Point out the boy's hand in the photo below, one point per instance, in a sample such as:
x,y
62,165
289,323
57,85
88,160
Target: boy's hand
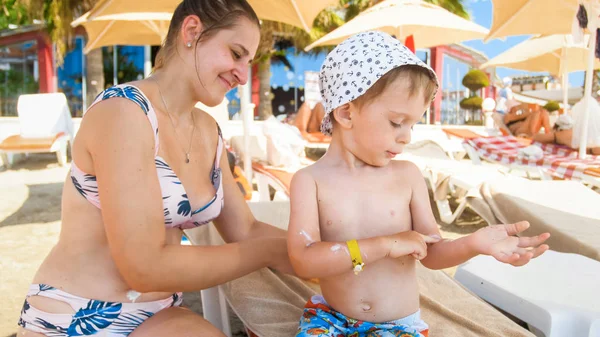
x,y
500,242
410,243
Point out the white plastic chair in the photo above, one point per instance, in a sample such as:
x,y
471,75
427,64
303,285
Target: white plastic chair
x,y
46,126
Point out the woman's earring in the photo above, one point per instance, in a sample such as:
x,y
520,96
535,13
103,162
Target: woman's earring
x,y
189,45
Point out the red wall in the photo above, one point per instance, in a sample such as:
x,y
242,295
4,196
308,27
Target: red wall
x,y
44,46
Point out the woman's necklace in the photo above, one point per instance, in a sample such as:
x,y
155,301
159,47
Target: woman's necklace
x,y
187,153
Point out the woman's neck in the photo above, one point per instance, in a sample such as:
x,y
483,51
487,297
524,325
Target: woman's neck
x,y
175,91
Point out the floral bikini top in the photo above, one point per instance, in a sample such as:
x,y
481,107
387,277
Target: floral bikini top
x,y
177,209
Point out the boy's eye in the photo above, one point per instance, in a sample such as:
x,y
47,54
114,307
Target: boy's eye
x,y
396,125
236,55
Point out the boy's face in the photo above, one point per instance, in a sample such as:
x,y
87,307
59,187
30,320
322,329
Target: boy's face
x,y
383,126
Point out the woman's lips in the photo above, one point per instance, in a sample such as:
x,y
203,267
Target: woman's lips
x,y
228,85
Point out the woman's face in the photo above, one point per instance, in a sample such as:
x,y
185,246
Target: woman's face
x,y
222,61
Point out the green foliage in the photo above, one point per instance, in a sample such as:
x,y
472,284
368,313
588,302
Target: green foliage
x,y
12,12
475,79
58,15
127,71
552,106
453,6
471,103
15,83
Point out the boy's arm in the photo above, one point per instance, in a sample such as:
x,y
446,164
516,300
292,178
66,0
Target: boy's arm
x,y
445,253
499,240
310,257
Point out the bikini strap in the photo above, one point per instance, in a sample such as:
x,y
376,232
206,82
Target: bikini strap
x,y
135,95
219,147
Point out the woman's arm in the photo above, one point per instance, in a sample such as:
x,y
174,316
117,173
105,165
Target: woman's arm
x,y
236,222
121,145
512,115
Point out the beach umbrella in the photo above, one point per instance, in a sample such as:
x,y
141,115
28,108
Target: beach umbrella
x,y
557,54
430,25
138,29
531,17
523,17
299,13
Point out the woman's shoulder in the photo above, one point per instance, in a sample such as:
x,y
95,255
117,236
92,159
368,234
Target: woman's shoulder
x,y
121,107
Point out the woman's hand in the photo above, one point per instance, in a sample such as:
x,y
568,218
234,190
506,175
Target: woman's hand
x,y
500,242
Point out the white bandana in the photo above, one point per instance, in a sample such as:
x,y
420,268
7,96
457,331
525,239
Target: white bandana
x,y
356,64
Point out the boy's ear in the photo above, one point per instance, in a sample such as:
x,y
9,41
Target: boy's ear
x,y
343,115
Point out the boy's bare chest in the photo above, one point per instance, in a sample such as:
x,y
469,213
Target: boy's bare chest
x,y
354,210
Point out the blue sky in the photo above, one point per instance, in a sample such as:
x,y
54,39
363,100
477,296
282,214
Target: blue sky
x,y
481,13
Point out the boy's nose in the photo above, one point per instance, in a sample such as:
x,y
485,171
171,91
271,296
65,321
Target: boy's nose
x,y
404,138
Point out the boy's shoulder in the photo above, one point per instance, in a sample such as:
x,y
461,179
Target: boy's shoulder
x,y
405,167
304,175
313,170
310,174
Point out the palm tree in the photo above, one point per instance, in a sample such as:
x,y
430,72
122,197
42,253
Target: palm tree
x,y
58,15
276,34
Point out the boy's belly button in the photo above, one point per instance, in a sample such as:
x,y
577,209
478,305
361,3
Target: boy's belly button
x,y
365,306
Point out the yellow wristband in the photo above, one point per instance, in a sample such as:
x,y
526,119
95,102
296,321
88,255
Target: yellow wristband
x,y
357,262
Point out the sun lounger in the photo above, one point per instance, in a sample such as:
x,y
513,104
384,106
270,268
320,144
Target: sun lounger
x,y
557,161
451,146
556,294
462,133
278,178
566,209
458,179
270,304
499,121
467,136
46,126
461,182
257,146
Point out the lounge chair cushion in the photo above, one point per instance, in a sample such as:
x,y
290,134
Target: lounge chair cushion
x,y
566,209
20,143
